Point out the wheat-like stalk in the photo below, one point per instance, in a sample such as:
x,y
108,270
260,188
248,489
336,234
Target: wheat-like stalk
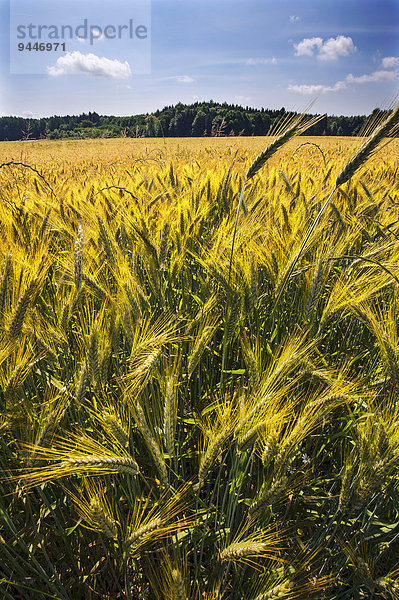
x,y
232,319
389,585
18,317
388,127
116,428
110,464
199,347
253,286
212,452
170,415
152,445
78,262
141,535
346,486
96,288
282,590
299,125
268,497
270,449
92,359
251,361
392,359
179,588
6,274
249,439
81,386
106,241
134,304
105,524
163,244
44,433
149,364
248,547
314,291
241,550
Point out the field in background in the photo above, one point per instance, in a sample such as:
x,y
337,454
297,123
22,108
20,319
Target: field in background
x,y
181,419
127,148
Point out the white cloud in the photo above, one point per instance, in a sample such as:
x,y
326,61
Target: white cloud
x,y
328,50
335,47
261,61
376,76
90,64
294,19
307,46
314,90
244,99
179,78
390,61
184,79
27,114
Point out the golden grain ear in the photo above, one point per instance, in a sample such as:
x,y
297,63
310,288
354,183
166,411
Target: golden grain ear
x,y
387,128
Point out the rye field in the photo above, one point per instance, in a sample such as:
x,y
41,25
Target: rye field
x,y
199,369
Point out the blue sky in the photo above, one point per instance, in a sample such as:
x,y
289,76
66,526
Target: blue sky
x,y
260,53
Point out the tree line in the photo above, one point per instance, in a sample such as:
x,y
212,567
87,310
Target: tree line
x,y
181,120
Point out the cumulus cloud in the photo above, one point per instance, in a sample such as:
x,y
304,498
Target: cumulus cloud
x,y
90,64
328,50
307,46
376,76
390,61
335,47
261,61
294,19
316,89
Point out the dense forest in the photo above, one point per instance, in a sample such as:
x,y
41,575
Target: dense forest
x,y
198,119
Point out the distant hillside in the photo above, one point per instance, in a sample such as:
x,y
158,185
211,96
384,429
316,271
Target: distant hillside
x,y
198,119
